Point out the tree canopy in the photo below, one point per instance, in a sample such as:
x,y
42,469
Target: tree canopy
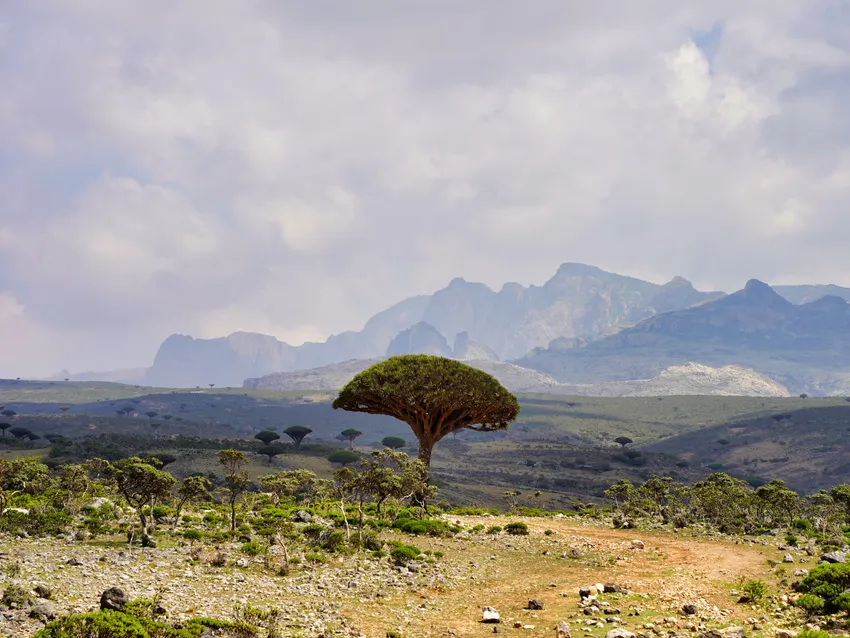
x,y
393,442
267,436
433,395
297,433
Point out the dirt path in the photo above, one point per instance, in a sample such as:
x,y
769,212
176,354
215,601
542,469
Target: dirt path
x,y
505,572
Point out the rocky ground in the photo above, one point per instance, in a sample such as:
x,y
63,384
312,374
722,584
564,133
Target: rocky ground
x,y
652,584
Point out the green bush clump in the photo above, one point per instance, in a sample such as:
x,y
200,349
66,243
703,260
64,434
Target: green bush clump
x,y
115,624
429,527
826,583
755,590
548,532
161,511
517,529
333,541
252,548
312,531
404,554
494,529
15,594
477,528
314,557
791,539
811,604
193,535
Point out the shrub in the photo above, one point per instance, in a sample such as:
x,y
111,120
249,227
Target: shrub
x,y
811,604
161,511
548,532
15,594
478,528
517,529
424,527
115,624
333,540
791,540
252,548
826,583
755,590
314,557
193,535
404,554
494,529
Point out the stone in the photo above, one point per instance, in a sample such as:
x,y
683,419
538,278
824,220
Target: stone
x,y
611,588
637,544
73,562
43,591
43,610
732,632
787,558
574,553
113,598
834,557
619,632
563,630
490,615
587,592
689,610
302,517
785,633
534,604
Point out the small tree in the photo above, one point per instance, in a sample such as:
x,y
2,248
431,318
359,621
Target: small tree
x,y
267,436
623,440
297,433
394,442
350,434
140,484
9,413
52,438
165,459
343,457
63,409
193,489
4,427
20,433
272,450
234,462
285,484
151,414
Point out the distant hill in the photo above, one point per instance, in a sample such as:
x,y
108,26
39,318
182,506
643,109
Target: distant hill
x,y
578,301
805,347
691,379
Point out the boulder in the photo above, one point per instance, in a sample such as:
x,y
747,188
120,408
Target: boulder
x,y
619,632
612,588
534,604
490,615
113,598
637,544
689,610
43,610
587,592
43,591
834,557
563,630
785,633
73,562
787,558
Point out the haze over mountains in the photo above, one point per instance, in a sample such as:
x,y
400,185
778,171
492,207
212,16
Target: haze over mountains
x,y
584,326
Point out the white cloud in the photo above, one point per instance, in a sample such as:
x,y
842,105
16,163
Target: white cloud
x,y
296,167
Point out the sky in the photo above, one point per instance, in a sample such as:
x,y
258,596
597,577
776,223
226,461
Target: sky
x,y
293,167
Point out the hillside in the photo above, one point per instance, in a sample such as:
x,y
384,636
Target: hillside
x,y
689,379
805,347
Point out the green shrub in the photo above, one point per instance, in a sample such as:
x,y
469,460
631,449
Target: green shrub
x,y
755,590
801,524
314,557
517,529
810,633
826,583
548,532
811,604
333,541
193,535
791,540
477,528
252,548
161,511
114,624
494,529
404,554
430,527
312,531
15,594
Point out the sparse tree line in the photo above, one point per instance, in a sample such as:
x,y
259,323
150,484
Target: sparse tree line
x,y
731,505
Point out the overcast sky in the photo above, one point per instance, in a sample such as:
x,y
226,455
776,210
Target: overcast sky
x,y
206,166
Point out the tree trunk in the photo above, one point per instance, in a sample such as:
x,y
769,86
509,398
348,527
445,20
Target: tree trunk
x,y
232,514
425,448
143,521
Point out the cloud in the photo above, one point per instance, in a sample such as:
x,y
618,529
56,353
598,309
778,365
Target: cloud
x,y
203,167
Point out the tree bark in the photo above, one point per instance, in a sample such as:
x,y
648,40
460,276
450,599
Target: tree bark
x,y
426,446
